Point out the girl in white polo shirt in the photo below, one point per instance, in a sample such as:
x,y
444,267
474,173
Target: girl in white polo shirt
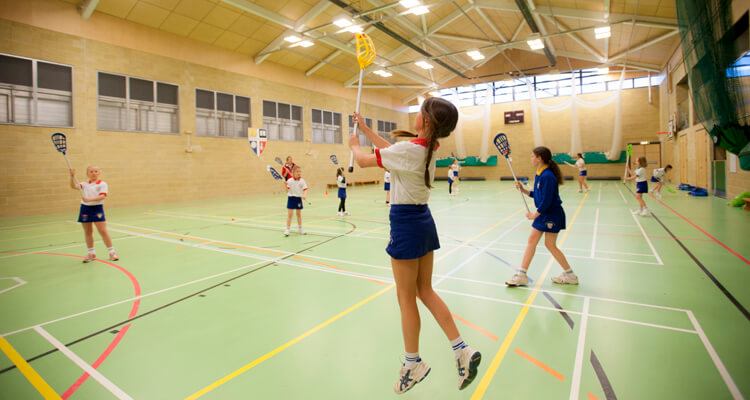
x,y
296,193
93,193
414,236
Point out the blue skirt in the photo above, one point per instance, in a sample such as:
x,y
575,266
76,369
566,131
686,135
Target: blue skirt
x,y
641,187
342,193
294,203
583,173
387,186
551,221
91,214
413,232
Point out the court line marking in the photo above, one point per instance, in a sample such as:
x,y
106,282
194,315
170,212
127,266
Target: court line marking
x,y
546,368
41,250
622,195
476,327
650,245
28,371
38,236
19,282
736,394
596,227
489,374
599,196
91,371
575,387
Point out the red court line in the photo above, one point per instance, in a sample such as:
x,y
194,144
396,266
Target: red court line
x,y
116,341
541,365
477,328
592,396
719,242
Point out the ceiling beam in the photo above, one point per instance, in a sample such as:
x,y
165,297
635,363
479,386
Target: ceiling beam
x,y
535,23
492,26
299,25
578,39
87,8
643,45
333,55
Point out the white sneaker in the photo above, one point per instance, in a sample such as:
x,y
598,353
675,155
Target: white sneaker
x,y
644,212
89,258
340,214
566,279
467,364
286,232
346,212
635,212
410,376
518,280
301,232
658,195
580,191
113,256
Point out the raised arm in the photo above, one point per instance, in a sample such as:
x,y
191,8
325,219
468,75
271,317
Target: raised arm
x,y
364,160
376,140
73,184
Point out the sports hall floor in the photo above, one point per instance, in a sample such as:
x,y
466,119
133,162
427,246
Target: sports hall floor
x,y
210,300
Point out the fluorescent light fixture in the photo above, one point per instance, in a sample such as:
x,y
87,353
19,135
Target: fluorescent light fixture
x,y
423,64
602,71
602,32
305,43
383,73
354,29
475,55
419,10
435,94
535,44
292,38
409,3
644,142
343,22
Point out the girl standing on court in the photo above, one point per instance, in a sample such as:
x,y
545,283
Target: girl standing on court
x,y
287,168
341,181
93,193
453,178
582,174
549,218
641,185
387,187
414,235
296,192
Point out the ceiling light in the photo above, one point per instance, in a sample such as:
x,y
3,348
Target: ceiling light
x,y
603,71
475,55
409,3
602,32
292,38
535,44
305,43
419,10
644,142
354,29
343,22
383,73
435,94
423,65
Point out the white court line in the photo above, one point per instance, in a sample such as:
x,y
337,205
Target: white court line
x,y
736,394
575,387
623,196
19,282
45,250
653,250
658,326
599,196
93,372
267,226
596,228
38,236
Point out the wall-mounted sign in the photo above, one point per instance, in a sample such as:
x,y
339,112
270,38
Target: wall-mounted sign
x,y
514,117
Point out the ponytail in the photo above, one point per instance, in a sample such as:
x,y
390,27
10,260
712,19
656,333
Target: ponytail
x,y
439,119
430,149
552,165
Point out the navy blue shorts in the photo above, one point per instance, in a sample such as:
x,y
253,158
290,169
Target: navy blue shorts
x,y
91,214
450,180
583,173
387,186
342,193
552,221
655,179
413,232
641,187
294,203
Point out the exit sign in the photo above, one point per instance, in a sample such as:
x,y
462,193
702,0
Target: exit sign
x,y
514,117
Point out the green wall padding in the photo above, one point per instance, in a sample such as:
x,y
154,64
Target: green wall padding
x,y
470,161
593,157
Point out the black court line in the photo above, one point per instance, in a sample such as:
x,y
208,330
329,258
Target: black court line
x,y
703,268
557,305
609,393
199,293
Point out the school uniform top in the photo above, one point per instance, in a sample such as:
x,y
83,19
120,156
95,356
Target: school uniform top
x,y
581,165
296,187
406,161
659,173
94,189
387,177
286,170
341,181
450,174
547,201
640,174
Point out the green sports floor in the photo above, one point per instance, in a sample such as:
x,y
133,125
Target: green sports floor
x,y
210,300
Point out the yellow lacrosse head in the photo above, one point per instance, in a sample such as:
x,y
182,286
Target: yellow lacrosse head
x,y
365,50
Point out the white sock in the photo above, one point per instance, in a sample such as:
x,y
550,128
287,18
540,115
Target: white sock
x,y
569,271
92,250
411,359
522,271
111,249
458,344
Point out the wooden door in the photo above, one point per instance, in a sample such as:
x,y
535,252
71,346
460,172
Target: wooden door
x,y
700,159
682,140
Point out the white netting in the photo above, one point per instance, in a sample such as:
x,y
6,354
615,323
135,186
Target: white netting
x,y
483,115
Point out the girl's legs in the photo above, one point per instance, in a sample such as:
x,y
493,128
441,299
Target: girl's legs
x,y
520,278
387,197
289,218
343,205
102,228
299,220
405,274
88,234
432,300
580,184
584,181
567,277
450,187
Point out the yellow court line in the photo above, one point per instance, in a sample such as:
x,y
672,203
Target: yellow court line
x,y
325,323
484,383
30,373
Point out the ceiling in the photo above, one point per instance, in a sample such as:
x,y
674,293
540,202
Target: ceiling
x,y
498,28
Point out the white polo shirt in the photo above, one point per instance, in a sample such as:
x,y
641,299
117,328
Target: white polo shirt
x,y
94,189
296,187
640,175
406,161
341,182
581,164
659,173
387,177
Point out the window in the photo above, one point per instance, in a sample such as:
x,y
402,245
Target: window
x,y
221,114
137,105
282,121
363,140
35,92
326,126
385,128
